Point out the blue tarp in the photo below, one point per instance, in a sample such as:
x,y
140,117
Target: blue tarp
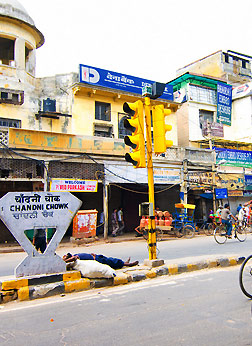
x,y
207,195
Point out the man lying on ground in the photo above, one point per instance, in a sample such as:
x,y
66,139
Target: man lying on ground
x,y
115,263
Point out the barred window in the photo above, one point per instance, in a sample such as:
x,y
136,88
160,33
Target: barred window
x,y
203,95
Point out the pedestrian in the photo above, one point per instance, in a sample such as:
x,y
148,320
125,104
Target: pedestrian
x,y
218,214
39,239
114,222
120,220
225,217
239,208
100,227
115,263
210,216
242,216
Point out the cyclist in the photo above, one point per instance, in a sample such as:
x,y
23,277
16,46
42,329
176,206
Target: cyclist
x,y
225,217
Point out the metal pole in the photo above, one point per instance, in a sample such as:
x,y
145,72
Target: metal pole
x,y
46,177
184,182
213,164
105,209
152,226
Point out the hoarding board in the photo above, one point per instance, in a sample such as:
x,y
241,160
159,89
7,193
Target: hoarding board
x,y
224,103
114,80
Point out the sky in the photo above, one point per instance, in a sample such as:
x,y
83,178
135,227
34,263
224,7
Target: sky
x,y
142,38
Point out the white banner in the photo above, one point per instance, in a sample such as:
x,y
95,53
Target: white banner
x,y
74,185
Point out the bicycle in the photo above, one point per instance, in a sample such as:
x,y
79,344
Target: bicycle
x,y
245,277
220,233
207,228
182,230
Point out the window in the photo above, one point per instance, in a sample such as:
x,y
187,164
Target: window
x,y
103,130
244,63
226,57
6,51
102,111
10,123
204,117
204,95
122,131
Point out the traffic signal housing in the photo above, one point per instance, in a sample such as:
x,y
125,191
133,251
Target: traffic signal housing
x,y
135,124
160,128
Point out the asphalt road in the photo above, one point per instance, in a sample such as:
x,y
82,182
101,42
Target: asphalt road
x,y
171,250
192,309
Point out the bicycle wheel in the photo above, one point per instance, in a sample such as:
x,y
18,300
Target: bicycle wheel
x,y
220,235
240,233
209,229
188,231
245,277
202,228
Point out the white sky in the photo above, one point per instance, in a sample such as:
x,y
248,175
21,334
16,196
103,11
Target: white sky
x,y
143,38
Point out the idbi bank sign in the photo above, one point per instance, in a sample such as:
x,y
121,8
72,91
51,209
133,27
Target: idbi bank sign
x,y
119,81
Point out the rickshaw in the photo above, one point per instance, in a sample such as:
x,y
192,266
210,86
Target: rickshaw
x,y
183,222
180,225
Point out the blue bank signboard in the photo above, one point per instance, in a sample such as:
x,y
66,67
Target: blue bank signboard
x,y
119,81
224,103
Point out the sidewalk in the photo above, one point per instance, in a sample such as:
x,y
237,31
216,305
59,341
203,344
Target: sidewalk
x,y
41,286
66,242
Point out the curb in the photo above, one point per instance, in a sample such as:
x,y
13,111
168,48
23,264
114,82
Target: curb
x,y
54,284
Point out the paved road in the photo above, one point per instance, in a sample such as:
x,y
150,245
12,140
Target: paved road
x,y
171,250
193,309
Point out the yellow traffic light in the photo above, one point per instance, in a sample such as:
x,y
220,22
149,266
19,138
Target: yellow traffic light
x,y
136,140
160,129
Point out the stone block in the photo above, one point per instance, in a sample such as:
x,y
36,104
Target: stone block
x,y
153,263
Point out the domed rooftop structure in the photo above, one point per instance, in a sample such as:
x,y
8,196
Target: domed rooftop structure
x,y
13,10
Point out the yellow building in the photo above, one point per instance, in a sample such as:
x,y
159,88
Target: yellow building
x,y
65,127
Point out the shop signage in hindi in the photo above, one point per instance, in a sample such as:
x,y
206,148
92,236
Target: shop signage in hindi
x,y
202,179
73,185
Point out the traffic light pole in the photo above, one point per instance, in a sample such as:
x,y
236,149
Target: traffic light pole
x,y
152,226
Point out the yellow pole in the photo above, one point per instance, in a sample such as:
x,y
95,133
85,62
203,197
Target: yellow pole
x,y
152,226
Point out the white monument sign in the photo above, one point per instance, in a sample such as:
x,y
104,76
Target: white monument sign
x,y
24,212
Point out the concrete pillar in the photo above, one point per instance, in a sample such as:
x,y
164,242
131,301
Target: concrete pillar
x,y
19,53
31,62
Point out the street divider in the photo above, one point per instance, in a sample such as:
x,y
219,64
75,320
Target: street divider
x,y
54,284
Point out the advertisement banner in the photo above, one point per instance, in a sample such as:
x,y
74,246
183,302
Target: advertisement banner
x,y
232,157
202,179
215,129
166,176
235,193
224,103
248,182
230,181
120,81
73,185
242,90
